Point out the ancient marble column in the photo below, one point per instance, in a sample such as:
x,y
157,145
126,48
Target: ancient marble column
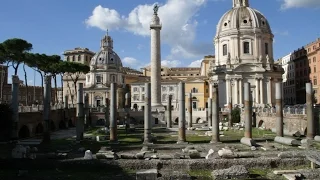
x,y
310,114
257,97
147,114
127,101
215,115
279,110
236,92
247,111
155,27
240,91
107,113
209,112
46,108
120,98
66,111
261,91
169,112
182,114
80,113
190,110
247,139
113,113
269,91
15,106
86,110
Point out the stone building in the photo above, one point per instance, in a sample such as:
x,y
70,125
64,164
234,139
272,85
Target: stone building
x,y
105,68
195,78
313,54
244,53
301,74
288,79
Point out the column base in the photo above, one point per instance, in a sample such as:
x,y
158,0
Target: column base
x,y
182,142
248,141
215,142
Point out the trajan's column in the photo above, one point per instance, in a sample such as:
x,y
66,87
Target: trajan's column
x,y
155,28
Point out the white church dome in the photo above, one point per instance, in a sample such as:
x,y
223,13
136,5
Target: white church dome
x,y
241,16
106,58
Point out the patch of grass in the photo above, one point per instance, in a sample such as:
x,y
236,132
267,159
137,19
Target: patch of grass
x,y
203,174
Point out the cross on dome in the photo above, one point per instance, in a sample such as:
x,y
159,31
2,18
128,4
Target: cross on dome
x,y
240,3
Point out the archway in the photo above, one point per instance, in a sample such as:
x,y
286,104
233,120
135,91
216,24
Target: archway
x,y
24,132
70,123
62,125
135,106
199,121
52,126
39,129
261,124
176,121
101,122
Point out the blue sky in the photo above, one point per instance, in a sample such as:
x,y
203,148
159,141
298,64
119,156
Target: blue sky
x,y
53,26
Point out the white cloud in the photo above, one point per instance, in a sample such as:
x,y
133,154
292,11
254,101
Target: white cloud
x,y
196,63
131,62
178,24
170,63
287,4
283,33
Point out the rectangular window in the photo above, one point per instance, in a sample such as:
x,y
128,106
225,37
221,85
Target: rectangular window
x,y
314,81
246,47
225,49
266,48
98,79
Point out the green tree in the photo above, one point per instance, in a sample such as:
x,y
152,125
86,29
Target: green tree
x,y
75,71
15,51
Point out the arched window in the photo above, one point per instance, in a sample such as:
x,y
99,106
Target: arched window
x,y
225,50
246,47
266,48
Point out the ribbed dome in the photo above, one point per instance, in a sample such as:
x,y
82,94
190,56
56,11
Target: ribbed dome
x,y
242,18
106,58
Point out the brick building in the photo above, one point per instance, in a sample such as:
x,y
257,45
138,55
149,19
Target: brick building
x,y
313,54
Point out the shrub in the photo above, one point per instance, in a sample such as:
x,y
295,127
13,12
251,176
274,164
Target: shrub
x,y
235,115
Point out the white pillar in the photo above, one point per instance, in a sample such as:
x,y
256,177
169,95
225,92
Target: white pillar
x,y
210,90
236,93
228,89
240,92
155,28
261,92
257,99
269,88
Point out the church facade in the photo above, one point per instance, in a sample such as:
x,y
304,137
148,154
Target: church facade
x,y
244,53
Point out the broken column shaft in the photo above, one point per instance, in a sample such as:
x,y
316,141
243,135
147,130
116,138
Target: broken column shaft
x,y
279,110
210,112
190,111
113,113
169,112
80,120
215,115
147,114
182,114
310,114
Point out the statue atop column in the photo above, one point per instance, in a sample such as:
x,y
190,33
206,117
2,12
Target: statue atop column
x,y
155,9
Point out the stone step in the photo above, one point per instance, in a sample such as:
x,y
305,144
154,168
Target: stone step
x,y
292,176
